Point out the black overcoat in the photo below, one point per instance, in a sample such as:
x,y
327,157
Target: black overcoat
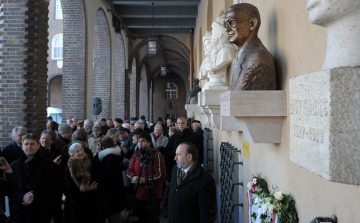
x,y
40,175
111,174
200,133
193,200
12,152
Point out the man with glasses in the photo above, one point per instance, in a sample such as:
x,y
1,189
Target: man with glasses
x,y
254,67
13,151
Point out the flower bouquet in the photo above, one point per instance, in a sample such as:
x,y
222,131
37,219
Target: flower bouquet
x,y
265,207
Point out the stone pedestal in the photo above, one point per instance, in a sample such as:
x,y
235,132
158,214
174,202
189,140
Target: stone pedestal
x,y
260,114
325,123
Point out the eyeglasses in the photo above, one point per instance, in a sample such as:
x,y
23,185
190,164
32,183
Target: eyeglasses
x,y
232,22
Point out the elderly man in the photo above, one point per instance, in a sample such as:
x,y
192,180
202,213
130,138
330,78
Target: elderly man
x,y
94,141
183,135
254,67
88,124
13,151
39,177
80,125
196,126
191,194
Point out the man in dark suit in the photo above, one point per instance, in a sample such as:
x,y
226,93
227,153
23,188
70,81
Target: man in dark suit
x,y
196,127
13,151
191,194
39,177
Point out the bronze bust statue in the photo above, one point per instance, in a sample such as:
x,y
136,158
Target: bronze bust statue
x,y
254,67
196,89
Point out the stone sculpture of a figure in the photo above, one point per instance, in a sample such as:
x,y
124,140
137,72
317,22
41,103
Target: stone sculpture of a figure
x,y
342,22
206,62
221,53
196,89
254,67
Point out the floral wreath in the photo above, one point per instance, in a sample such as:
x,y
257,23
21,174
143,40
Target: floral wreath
x,y
265,207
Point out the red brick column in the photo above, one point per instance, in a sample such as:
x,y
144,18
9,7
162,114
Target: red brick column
x,y
23,66
143,94
120,78
133,90
102,88
74,39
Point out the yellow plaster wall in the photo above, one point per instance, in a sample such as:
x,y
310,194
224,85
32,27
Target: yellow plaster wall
x,y
298,48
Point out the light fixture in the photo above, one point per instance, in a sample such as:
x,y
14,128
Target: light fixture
x,y
152,41
163,71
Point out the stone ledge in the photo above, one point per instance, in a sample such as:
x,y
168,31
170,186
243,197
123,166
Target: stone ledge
x,y
259,114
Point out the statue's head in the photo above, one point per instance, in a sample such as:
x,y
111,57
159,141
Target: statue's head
x,y
218,31
195,81
206,41
242,22
325,12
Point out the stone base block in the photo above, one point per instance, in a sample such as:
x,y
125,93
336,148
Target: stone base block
x,y
325,123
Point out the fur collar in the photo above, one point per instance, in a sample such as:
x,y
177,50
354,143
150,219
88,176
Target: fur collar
x,y
80,172
115,150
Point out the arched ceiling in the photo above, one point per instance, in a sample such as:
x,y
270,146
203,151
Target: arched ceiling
x,y
170,16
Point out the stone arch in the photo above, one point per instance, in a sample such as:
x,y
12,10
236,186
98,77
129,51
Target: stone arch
x,y
55,91
143,93
102,65
74,57
133,90
120,77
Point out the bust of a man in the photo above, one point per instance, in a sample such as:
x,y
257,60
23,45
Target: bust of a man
x,y
206,62
341,19
254,67
193,93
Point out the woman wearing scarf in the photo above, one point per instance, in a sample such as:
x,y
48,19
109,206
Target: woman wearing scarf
x,y
111,172
81,187
157,137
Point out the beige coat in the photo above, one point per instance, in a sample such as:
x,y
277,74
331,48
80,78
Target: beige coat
x,y
93,143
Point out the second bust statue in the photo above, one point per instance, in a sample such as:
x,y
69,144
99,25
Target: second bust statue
x,y
254,67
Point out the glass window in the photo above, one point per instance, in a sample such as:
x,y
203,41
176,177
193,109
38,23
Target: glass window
x,y
57,45
58,10
171,91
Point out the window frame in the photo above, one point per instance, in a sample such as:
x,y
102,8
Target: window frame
x,y
171,91
53,47
58,10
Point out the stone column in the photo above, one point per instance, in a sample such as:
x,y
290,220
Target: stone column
x,y
23,66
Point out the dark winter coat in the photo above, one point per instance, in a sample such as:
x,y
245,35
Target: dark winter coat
x,y
12,152
82,206
193,200
200,133
61,142
129,140
111,174
40,175
159,173
9,184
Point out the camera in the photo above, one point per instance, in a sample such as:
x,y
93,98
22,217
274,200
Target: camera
x,y
2,162
144,150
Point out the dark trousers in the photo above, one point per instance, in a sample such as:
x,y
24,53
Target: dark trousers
x,y
144,214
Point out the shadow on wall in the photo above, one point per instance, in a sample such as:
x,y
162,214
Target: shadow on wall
x,y
279,56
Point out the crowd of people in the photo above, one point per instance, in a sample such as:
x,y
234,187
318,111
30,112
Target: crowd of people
x,y
81,171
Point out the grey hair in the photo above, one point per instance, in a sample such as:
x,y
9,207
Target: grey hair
x,y
141,123
89,122
72,148
16,129
50,133
180,118
198,124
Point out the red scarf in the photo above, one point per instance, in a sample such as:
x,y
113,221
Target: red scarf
x,y
156,137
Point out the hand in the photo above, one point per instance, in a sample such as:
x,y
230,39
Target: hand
x,y
93,186
98,148
28,198
57,160
134,179
124,149
6,166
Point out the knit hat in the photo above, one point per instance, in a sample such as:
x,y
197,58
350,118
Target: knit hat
x,y
64,128
72,148
96,127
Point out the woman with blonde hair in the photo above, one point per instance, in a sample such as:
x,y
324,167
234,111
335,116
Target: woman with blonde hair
x,y
157,137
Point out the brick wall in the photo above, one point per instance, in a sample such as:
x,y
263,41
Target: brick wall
x,y
55,27
133,91
102,71
55,86
23,66
160,104
120,77
73,59
143,94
